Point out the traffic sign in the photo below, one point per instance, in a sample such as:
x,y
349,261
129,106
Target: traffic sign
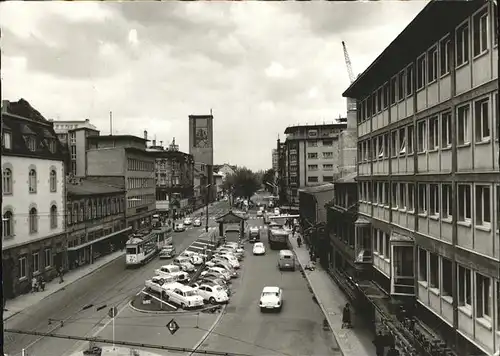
x,y
112,312
172,326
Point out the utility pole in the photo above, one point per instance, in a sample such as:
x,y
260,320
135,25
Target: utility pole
x,y
206,207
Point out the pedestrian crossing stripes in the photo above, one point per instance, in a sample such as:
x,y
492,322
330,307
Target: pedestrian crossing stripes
x,y
249,218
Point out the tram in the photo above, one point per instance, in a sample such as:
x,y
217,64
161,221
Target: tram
x,y
141,248
164,235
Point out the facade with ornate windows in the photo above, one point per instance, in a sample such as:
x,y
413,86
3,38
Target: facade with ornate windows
x,y
33,193
428,173
95,223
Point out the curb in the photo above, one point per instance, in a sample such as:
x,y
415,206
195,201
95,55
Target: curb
x,y
65,286
159,312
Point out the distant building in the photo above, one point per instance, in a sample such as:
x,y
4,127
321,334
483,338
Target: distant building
x,y
428,172
311,156
33,208
219,180
275,159
122,161
225,169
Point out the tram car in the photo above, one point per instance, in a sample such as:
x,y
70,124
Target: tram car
x,y
141,248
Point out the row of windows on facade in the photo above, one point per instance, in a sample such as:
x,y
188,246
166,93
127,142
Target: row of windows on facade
x,y
324,143
8,181
33,217
141,200
433,133
435,273
32,142
140,165
81,239
37,265
313,167
313,179
94,209
434,200
435,60
139,183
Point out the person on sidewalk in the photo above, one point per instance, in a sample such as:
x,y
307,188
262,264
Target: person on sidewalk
x,y
60,274
34,285
346,317
299,241
41,283
379,343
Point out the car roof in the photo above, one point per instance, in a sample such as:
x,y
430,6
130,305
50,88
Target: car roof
x,y
271,290
286,252
169,265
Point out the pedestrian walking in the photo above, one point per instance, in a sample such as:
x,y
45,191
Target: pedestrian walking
x,y
41,283
34,285
346,317
60,274
299,241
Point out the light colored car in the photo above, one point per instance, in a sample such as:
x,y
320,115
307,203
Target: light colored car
x,y
271,299
188,221
167,270
259,249
197,223
234,246
194,258
233,261
167,252
212,293
156,283
260,213
182,295
184,263
179,228
221,273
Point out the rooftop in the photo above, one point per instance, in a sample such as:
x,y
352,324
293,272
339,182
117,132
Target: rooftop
x,y
118,137
318,188
87,188
350,178
331,125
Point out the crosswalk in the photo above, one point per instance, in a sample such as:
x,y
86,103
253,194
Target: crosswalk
x,y
249,218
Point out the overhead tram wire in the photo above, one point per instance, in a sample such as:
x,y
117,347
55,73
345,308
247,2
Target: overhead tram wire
x,y
125,343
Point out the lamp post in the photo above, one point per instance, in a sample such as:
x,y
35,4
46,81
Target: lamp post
x,y
206,207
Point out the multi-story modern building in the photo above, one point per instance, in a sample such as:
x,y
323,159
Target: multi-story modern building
x,y
122,161
174,172
275,159
62,128
311,153
95,221
33,209
428,173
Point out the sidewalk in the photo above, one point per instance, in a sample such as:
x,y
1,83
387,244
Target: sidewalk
x,y
352,342
24,301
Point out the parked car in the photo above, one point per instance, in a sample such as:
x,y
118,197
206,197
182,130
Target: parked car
x,y
185,296
194,258
233,261
184,263
212,293
260,213
212,274
271,299
259,249
167,252
188,221
217,281
226,266
224,273
179,228
156,283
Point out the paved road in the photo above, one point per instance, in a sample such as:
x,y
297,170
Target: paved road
x,y
112,285
297,330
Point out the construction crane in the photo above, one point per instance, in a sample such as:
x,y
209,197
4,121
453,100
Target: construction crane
x,y
348,64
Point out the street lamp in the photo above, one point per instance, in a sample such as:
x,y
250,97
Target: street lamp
x,y
206,211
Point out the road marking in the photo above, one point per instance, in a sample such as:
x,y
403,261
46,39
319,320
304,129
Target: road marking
x,y
209,331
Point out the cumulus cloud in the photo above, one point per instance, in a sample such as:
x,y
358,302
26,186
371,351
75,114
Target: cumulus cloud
x,y
261,66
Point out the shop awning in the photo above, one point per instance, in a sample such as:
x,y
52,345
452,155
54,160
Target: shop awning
x,y
75,248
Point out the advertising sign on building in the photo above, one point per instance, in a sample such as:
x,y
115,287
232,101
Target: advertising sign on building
x,y
201,138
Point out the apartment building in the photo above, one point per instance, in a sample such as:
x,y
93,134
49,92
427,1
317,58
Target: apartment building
x,y
312,153
122,161
33,191
275,159
428,174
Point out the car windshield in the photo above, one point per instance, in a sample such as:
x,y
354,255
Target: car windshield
x,y
218,289
270,294
190,293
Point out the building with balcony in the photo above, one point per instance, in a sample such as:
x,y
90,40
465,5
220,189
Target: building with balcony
x,y
96,223
428,174
312,153
174,176
122,161
33,192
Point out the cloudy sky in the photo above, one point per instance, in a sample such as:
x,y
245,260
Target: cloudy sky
x,y
260,66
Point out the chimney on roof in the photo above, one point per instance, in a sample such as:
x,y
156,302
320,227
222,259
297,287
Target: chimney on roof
x,y
5,106
154,143
145,135
161,143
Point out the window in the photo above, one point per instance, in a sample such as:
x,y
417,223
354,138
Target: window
x,y
379,100
386,95
480,32
433,133
483,296
432,58
421,133
328,167
434,199
464,287
434,270
380,147
402,141
444,52
446,201
409,80
495,43
447,277
394,195
386,145
7,181
463,115
30,142
401,85
327,143
483,205
48,258
422,199
312,179
394,87
410,139
327,154
462,44
7,224
7,140
421,72
312,155
327,178
464,202
53,217
386,194
32,181
53,181
446,130
33,220
22,267
312,143
36,262
402,195
422,265
482,120
411,197
394,143
312,167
